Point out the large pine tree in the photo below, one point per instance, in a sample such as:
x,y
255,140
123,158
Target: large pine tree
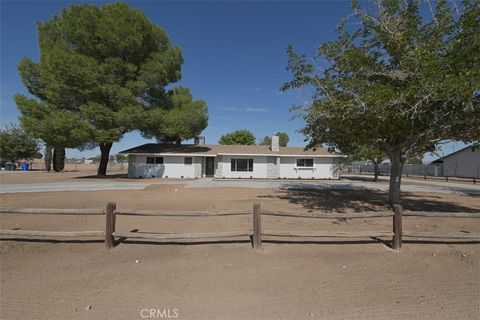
x,y
103,72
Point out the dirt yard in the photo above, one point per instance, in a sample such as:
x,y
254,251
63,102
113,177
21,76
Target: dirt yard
x,y
80,173
287,279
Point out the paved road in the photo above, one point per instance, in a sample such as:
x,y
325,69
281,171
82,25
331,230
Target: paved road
x,y
343,184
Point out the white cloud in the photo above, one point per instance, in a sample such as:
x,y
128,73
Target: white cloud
x,y
244,109
256,109
230,109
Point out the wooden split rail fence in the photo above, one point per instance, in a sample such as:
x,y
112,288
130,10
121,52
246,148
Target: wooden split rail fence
x,y
256,233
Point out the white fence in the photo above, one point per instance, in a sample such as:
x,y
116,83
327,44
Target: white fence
x,y
408,169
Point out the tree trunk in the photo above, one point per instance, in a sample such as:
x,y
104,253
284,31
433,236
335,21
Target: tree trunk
x,y
395,179
104,157
376,170
47,158
58,159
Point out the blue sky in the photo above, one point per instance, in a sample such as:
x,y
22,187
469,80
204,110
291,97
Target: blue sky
x,y
234,56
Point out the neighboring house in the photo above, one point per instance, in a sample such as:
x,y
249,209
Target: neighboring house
x,y
464,163
153,160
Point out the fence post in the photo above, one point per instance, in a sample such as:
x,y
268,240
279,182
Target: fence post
x,y
397,227
110,225
257,226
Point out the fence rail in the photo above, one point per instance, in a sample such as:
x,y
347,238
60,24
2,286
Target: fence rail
x,y
424,172
450,235
53,211
442,214
328,215
36,233
181,213
182,236
255,233
321,234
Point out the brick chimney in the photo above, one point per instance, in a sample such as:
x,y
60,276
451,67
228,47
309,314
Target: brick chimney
x,y
199,140
275,144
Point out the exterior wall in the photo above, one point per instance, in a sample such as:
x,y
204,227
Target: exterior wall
x,y
131,165
197,166
263,167
323,168
259,167
464,164
219,167
273,167
172,167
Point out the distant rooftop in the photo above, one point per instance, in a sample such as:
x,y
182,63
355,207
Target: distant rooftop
x,y
473,147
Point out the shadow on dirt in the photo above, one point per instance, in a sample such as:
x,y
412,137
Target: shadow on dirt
x,y
364,200
107,177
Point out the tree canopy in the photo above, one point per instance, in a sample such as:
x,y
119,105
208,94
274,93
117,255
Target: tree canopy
x,y
394,80
181,119
364,152
282,137
16,144
103,71
243,137
417,160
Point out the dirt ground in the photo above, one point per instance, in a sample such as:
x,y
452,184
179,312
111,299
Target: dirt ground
x,y
72,174
227,279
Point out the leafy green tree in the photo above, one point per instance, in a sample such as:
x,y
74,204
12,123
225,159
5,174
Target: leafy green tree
x,y
106,69
16,144
358,152
416,160
181,119
469,133
58,159
243,137
282,137
120,158
399,82
50,124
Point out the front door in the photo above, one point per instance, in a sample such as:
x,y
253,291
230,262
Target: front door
x,y
209,166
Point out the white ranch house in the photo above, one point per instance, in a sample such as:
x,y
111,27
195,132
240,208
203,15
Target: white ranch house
x,y
154,160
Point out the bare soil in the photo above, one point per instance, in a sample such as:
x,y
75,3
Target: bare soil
x,y
227,279
79,173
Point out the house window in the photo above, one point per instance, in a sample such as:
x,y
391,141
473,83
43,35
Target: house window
x,y
154,160
188,160
241,165
305,163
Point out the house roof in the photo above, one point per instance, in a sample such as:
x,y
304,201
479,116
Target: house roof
x,y
215,149
440,160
